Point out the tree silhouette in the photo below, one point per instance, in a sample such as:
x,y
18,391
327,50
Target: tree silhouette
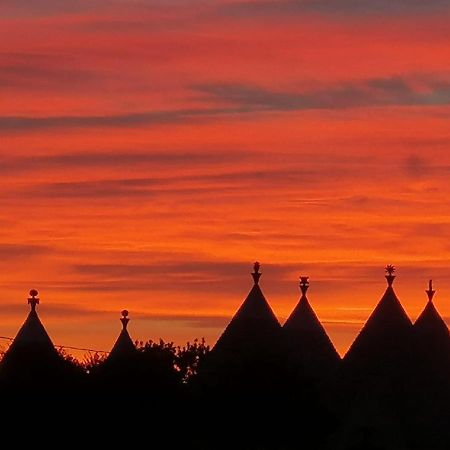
x,y
92,360
190,357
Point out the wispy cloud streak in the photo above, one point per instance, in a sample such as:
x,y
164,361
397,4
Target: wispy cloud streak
x,y
339,8
246,99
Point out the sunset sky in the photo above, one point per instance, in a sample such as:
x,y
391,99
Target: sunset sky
x,y
152,150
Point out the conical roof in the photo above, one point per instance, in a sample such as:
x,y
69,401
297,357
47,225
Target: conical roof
x,y
123,346
430,324
306,339
432,333
254,323
387,333
32,351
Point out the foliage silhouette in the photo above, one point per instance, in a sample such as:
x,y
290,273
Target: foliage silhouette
x,y
261,387
189,358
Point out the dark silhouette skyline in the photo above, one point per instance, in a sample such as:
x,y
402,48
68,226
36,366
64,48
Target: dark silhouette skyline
x,y
255,321
390,391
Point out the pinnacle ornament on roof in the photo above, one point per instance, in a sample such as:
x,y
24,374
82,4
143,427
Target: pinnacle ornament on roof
x,y
304,284
33,300
430,291
124,319
390,277
256,274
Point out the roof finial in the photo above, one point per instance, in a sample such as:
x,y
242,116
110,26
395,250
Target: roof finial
x,y
124,319
304,285
256,274
33,300
430,292
390,277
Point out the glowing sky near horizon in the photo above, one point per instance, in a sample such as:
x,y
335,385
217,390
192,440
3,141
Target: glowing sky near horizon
x,y
152,150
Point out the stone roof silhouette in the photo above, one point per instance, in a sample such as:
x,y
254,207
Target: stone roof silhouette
x,y
253,323
123,347
430,324
387,333
32,350
306,339
432,334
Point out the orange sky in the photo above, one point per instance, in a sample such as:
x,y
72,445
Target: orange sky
x,y
152,150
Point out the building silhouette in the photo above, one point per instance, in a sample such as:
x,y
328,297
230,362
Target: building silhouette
x,y
124,347
253,325
310,352
247,354
375,384
432,336
32,358
431,376
121,365
386,337
286,386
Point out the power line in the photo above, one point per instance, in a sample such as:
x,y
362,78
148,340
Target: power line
x,y
82,349
7,338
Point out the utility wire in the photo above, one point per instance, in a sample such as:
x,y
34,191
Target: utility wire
x,y
7,338
82,349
